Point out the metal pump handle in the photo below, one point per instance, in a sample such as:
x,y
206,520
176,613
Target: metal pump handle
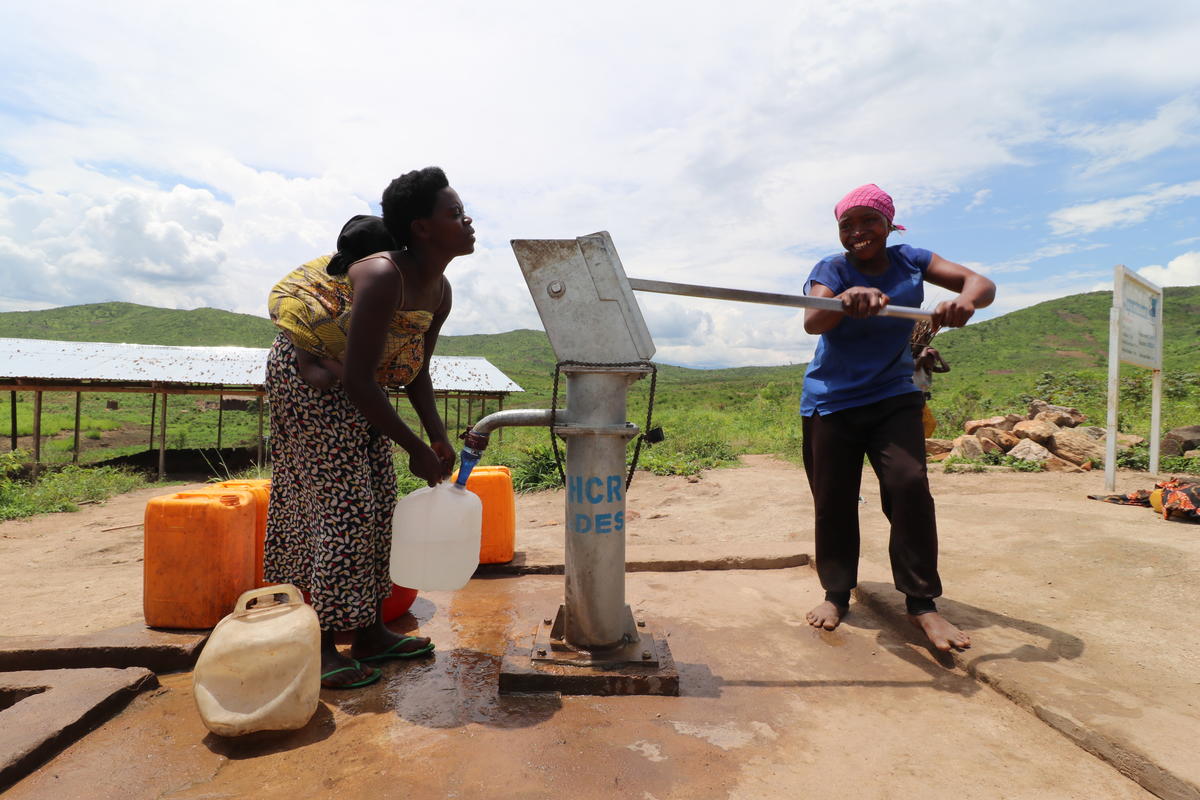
x,y
766,298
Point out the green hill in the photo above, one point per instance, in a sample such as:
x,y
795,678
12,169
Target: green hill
x,y
135,324
1065,334
1056,350
1069,333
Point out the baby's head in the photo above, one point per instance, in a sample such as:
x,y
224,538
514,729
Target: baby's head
x,y
361,236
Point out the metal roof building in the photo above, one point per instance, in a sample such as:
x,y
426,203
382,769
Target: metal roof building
x,y
43,365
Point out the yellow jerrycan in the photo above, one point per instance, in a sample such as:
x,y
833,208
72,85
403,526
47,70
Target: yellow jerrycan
x,y
261,667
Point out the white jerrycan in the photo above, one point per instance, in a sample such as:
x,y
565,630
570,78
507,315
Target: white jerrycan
x,y
261,668
435,537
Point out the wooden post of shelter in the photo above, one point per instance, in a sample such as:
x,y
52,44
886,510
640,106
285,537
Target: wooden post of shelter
x,y
37,433
258,455
153,408
162,440
75,446
220,410
12,399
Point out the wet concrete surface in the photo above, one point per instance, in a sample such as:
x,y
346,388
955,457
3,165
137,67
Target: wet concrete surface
x,y
768,708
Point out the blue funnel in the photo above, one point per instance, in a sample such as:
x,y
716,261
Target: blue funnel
x,y
467,460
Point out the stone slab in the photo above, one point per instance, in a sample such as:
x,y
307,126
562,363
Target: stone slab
x,y
128,646
41,712
666,558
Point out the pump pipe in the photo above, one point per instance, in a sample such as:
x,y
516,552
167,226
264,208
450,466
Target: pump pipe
x,y
475,441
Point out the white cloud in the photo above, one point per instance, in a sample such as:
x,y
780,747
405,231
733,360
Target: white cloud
x,y
978,199
1056,250
712,146
1120,212
134,244
1184,270
1175,125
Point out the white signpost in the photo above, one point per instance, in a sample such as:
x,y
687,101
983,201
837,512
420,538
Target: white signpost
x,y
1135,336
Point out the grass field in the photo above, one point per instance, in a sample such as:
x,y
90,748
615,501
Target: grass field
x,y
1054,351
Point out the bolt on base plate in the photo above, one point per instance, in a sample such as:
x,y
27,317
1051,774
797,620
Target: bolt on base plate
x,y
644,666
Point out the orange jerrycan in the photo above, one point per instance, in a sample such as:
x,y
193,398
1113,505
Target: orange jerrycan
x,y
199,556
261,489
494,486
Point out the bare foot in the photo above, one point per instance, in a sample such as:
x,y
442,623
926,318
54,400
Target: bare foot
x,y
826,615
939,631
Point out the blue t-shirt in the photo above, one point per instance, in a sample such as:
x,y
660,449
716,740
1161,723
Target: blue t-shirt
x,y
863,361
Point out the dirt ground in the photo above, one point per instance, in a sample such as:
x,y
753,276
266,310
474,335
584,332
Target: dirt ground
x,y
1079,611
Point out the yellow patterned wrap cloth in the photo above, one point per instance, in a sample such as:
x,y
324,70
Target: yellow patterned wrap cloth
x,y
313,308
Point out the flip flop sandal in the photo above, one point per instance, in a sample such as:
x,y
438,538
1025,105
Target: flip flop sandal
x,y
374,675
392,652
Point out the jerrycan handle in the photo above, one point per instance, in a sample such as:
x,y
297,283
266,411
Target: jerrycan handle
x,y
291,592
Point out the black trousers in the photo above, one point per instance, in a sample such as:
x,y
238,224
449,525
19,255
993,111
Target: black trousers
x,y
889,433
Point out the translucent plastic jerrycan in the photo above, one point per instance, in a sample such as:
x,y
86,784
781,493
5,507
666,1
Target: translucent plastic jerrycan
x,y
261,667
435,537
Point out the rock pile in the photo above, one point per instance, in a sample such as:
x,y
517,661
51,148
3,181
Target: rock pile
x,y
1182,442
1051,435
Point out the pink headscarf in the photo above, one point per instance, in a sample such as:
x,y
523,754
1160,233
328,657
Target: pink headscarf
x,y
870,196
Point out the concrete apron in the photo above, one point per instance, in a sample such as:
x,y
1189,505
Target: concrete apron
x,y
768,708
1041,669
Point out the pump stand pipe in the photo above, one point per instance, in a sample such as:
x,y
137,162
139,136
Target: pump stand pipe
x,y
595,618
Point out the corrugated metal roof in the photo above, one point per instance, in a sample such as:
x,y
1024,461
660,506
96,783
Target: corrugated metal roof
x,y
47,359
468,374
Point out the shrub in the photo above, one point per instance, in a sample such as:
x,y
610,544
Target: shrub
x,y
994,459
59,490
959,464
1137,458
687,457
534,469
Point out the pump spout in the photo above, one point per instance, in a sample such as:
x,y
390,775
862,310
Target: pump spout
x,y
520,417
475,441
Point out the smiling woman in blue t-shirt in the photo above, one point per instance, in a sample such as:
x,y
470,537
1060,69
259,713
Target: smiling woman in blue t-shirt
x,y
859,399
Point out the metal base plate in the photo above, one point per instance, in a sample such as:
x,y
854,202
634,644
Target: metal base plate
x,y
549,649
523,670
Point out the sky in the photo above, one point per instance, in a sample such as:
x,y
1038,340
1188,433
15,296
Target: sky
x,y
187,155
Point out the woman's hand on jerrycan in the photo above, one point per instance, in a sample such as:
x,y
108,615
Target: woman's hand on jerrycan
x,y
427,464
445,451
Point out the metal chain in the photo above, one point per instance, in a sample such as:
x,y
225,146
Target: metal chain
x,y
649,411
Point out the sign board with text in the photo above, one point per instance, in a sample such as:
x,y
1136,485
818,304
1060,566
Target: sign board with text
x,y
1135,331
1139,304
